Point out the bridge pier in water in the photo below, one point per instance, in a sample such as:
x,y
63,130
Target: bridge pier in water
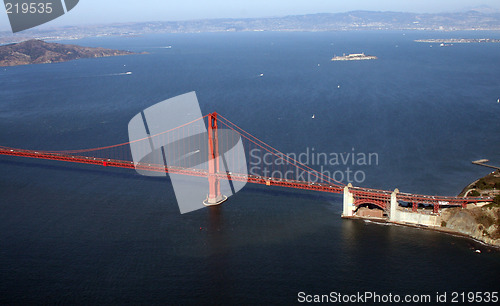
x,y
215,197
393,216
349,207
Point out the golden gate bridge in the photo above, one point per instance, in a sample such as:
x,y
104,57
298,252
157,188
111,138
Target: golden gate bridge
x,y
282,170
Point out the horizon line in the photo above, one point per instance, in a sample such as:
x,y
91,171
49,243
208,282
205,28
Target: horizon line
x,y
55,27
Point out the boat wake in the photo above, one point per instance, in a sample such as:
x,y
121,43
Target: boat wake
x,y
116,74
164,47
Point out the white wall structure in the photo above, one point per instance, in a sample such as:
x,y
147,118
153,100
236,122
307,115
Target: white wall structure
x,y
349,207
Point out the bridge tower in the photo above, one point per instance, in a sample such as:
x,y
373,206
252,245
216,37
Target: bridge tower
x,y
214,195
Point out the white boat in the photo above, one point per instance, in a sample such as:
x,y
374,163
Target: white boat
x,y
128,72
313,116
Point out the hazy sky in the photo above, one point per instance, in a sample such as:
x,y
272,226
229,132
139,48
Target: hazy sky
x,y
106,11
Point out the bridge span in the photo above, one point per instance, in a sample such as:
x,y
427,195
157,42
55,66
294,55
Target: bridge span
x,y
190,162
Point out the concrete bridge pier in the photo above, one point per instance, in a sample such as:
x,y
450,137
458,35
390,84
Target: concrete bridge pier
x,y
394,205
349,207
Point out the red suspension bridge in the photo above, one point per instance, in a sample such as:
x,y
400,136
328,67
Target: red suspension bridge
x,y
275,169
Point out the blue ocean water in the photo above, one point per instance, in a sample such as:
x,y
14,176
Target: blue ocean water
x,y
75,233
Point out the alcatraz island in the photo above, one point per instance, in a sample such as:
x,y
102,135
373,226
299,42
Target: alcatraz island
x,y
354,57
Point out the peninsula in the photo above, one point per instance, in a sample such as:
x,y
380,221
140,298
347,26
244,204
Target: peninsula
x,y
39,52
354,57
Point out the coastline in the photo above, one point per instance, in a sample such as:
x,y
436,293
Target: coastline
x,y
479,222
424,227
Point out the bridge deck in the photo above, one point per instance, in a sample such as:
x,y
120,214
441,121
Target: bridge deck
x,y
362,194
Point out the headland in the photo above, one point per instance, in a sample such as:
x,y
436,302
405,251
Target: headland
x,y
36,51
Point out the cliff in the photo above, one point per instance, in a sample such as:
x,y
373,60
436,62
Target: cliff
x,y
40,52
479,222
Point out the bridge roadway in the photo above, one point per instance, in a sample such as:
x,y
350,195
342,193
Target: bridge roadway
x,y
382,198
176,170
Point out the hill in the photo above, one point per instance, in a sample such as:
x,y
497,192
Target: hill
x,y
478,19
479,222
39,52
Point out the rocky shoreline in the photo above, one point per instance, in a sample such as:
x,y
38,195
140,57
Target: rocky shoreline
x,y
443,230
479,223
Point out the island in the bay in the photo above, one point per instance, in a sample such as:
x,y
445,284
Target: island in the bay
x,y
459,40
354,57
36,51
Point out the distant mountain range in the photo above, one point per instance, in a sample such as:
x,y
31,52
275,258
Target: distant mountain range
x,y
39,52
356,20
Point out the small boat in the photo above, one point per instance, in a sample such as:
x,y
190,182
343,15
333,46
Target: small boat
x,y
313,116
498,100
261,75
128,72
